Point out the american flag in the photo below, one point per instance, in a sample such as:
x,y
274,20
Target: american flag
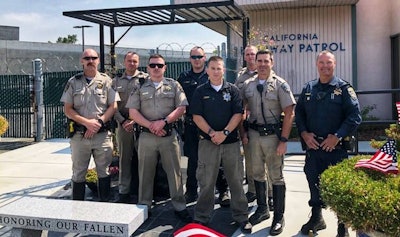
x,y
384,160
398,111
196,230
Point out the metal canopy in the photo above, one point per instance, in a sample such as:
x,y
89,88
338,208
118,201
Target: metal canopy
x,y
162,14
157,15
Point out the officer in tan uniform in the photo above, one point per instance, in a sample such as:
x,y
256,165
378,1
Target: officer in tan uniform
x,y
127,147
155,106
243,75
266,97
90,101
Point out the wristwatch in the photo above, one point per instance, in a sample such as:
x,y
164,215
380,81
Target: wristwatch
x,y
339,137
226,132
283,139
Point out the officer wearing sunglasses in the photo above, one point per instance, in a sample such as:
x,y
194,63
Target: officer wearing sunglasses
x,y
90,101
155,106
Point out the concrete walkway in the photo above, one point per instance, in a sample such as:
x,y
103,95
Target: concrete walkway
x,y
44,168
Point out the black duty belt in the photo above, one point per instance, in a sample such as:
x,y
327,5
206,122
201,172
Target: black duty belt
x,y
321,139
189,121
144,129
82,129
264,130
168,129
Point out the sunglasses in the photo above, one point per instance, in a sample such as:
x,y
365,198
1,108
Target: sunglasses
x,y
196,56
90,58
158,65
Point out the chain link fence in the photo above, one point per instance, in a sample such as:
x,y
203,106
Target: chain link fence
x,y
59,63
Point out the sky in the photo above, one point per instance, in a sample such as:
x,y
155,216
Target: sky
x,y
43,21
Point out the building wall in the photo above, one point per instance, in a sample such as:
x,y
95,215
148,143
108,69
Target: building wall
x,y
368,66
298,35
9,33
394,16
376,22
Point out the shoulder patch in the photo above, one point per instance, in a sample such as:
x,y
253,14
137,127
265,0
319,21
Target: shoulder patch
x,y
67,86
285,87
352,93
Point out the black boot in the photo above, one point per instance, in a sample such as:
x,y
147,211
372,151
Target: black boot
x,y
262,212
342,230
315,223
123,198
78,191
271,203
279,195
104,188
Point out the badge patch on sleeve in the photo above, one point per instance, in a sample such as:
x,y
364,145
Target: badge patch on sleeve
x,y
352,93
285,87
66,87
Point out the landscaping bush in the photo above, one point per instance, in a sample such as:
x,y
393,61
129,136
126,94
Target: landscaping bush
x,y
364,199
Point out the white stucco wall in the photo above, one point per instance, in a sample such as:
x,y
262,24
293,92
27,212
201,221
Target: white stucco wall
x,y
375,24
395,21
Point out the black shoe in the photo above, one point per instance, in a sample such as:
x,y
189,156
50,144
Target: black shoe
x,y
250,197
123,198
184,216
245,227
224,199
342,231
277,227
259,216
191,197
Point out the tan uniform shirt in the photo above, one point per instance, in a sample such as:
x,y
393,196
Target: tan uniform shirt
x,y
276,95
243,75
155,103
124,86
90,100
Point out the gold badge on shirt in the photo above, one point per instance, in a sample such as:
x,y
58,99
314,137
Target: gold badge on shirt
x,y
167,88
337,91
99,86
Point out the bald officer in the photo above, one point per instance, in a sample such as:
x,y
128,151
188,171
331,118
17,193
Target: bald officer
x,y
266,97
90,101
155,106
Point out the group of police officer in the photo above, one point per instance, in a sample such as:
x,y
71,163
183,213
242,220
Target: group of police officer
x,y
219,116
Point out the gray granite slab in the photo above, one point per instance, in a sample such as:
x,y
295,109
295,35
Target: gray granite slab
x,y
84,217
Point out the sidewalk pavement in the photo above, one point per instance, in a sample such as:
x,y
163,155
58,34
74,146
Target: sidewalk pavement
x,y
44,169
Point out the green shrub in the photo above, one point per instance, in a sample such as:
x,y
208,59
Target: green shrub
x,y
91,176
364,199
